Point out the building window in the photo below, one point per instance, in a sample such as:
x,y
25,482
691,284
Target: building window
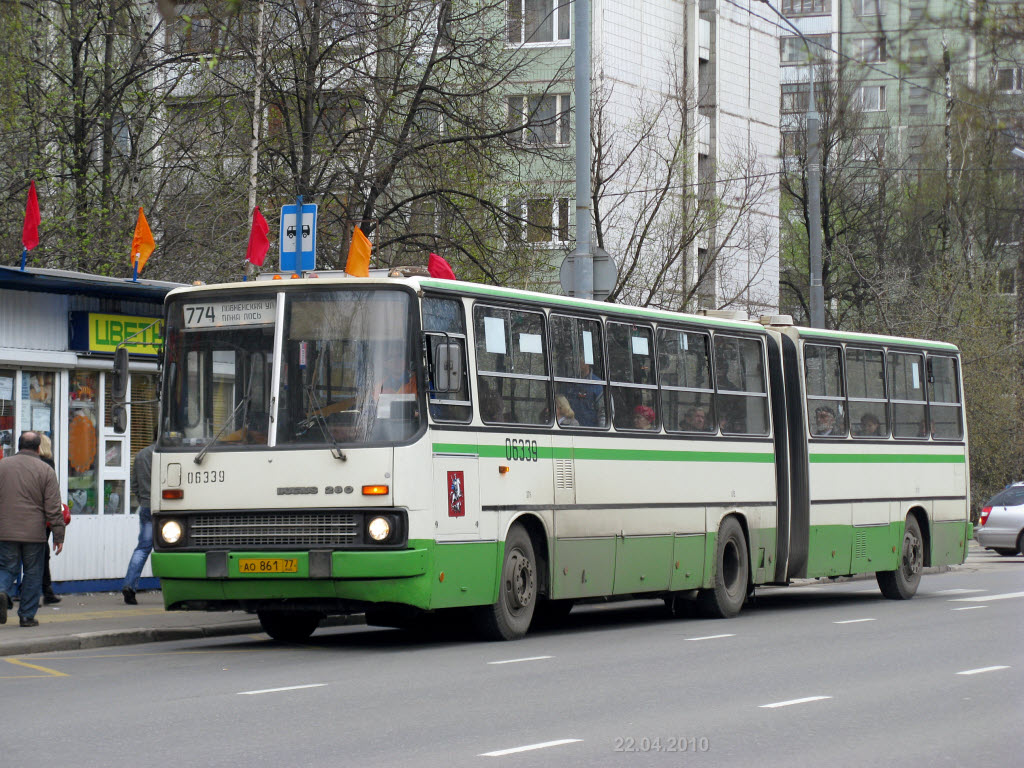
x,y
1007,281
806,7
869,7
793,50
868,147
546,220
1010,80
917,51
796,97
916,14
870,98
543,120
918,110
792,143
918,92
870,50
538,21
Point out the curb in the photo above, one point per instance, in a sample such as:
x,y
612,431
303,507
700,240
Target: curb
x,y
115,637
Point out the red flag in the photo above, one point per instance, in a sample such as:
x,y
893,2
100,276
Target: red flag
x,y
258,242
30,232
438,267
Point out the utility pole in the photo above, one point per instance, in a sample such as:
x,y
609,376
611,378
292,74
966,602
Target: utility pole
x,y
583,257
813,120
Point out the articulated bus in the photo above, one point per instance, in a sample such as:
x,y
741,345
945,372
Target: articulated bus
x,y
403,447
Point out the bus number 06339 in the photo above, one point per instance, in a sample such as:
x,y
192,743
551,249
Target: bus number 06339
x,y
211,476
521,450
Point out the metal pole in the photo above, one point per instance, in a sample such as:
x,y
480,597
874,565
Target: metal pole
x,y
257,115
817,289
583,258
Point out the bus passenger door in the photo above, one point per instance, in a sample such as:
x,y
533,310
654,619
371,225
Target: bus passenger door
x,y
456,497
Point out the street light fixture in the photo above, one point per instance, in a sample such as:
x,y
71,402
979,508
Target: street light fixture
x,y
817,297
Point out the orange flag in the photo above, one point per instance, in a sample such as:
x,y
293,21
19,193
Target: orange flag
x,y
359,255
143,243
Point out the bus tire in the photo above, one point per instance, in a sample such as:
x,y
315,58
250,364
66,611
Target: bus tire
x,y
509,618
901,584
289,626
732,570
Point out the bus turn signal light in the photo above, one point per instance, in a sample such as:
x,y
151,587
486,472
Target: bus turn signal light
x,y
375,490
172,493
503,470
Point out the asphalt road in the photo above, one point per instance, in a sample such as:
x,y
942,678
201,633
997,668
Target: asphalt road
x,y
816,675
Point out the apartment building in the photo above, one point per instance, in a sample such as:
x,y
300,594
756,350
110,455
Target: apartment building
x,y
685,122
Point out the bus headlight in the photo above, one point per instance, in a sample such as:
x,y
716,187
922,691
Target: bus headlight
x,y
171,532
379,528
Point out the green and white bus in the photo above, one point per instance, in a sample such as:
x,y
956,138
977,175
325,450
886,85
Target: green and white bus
x,y
396,445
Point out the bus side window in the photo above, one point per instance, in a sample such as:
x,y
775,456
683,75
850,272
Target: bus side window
x,y
741,402
944,408
823,379
684,372
511,364
444,327
634,385
906,390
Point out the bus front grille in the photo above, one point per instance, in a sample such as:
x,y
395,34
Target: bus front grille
x,y
307,529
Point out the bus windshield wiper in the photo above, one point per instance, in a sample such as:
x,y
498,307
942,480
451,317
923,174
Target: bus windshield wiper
x,y
321,421
246,399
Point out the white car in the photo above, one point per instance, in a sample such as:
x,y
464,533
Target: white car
x,y
1001,527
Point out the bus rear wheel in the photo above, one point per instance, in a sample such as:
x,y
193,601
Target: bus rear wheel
x,y
289,626
901,584
509,618
732,571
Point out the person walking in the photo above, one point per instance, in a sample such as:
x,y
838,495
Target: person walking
x,y
142,471
46,454
29,501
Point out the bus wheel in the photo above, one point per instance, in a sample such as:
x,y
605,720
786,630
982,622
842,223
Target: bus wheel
x,y
289,626
732,569
510,616
901,584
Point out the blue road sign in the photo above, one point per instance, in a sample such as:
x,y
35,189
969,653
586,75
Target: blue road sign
x,y
298,243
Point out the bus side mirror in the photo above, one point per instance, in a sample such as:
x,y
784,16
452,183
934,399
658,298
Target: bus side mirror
x,y
447,371
119,418
119,382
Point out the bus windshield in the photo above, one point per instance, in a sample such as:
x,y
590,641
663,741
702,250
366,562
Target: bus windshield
x,y
348,373
217,383
347,370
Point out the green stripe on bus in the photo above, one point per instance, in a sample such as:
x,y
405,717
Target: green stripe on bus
x,y
611,454
872,339
595,306
887,458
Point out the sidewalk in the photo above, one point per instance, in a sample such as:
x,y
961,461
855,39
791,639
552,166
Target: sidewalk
x,y
101,619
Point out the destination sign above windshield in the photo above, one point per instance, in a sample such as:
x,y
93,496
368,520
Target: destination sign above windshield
x,y
218,314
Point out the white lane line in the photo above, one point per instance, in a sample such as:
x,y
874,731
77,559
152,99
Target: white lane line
x,y
793,701
851,621
986,598
969,608
960,591
287,688
528,747
982,669
516,661
710,637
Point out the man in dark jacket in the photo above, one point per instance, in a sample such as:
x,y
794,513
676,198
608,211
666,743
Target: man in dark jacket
x,y
29,499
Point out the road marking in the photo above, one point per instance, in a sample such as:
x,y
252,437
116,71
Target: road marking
x,y
960,591
516,661
970,607
49,672
982,669
710,637
986,598
851,621
286,688
793,701
542,745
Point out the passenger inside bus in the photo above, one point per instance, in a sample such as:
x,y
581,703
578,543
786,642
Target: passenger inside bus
x,y
869,426
644,417
695,420
824,422
587,400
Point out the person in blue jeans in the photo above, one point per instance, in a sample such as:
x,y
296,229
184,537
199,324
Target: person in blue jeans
x,y
142,472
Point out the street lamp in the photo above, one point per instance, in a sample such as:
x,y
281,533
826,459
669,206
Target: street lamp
x,y
817,297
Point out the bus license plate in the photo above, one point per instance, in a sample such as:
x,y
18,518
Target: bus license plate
x,y
253,565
